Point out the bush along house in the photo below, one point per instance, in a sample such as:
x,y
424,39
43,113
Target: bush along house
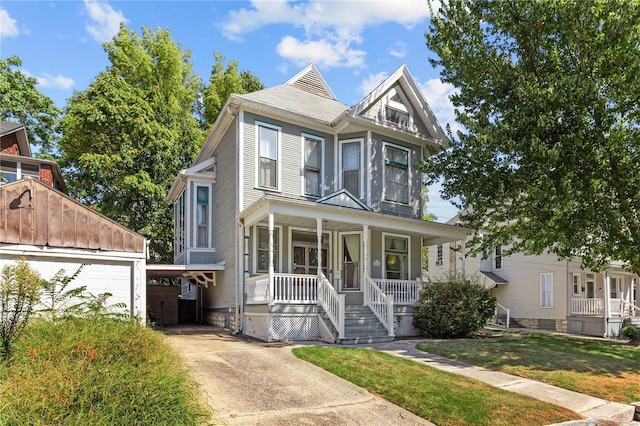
x,y
305,214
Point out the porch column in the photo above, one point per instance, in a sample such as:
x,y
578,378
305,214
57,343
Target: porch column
x,y
463,248
365,263
319,235
606,301
271,269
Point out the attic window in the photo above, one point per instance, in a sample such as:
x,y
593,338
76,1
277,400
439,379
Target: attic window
x,y
397,113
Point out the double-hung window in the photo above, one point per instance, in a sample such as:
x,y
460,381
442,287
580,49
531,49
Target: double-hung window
x,y
268,155
498,258
439,254
351,160
312,166
396,174
396,256
546,290
202,216
179,223
262,264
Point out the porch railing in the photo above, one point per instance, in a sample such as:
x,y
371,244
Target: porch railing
x,y
257,289
629,309
404,292
380,303
587,306
507,311
332,303
295,288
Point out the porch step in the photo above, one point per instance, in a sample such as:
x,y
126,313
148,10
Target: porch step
x,y
361,327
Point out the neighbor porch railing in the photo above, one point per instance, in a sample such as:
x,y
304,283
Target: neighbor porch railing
x,y
617,307
629,309
507,311
332,303
380,303
404,292
284,288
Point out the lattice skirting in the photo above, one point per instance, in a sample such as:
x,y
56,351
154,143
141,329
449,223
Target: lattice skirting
x,y
294,327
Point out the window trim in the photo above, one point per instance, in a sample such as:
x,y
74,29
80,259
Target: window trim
x,y
340,168
439,254
498,258
384,172
577,282
618,288
278,159
384,253
325,234
207,224
179,224
303,189
542,291
277,265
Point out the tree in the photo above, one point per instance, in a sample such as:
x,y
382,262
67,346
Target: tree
x,y
126,137
549,97
19,292
222,83
22,102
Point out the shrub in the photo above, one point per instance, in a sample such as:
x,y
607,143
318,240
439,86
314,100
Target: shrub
x,y
630,332
455,307
19,292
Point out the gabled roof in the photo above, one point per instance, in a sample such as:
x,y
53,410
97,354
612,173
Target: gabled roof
x,y
310,80
7,128
410,88
344,198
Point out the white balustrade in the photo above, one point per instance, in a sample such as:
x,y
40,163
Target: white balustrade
x,y
332,303
380,303
587,306
295,288
257,289
404,292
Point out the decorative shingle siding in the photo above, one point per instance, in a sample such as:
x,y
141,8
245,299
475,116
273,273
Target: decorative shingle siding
x,y
9,144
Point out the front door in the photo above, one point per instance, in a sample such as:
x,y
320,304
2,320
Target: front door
x,y
305,260
350,261
591,286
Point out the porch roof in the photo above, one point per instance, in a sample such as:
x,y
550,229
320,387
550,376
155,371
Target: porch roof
x,y
303,213
495,278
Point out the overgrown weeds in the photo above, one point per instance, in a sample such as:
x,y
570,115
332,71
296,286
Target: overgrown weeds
x,y
97,371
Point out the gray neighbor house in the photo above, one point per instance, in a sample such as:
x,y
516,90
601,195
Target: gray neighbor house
x,y
301,217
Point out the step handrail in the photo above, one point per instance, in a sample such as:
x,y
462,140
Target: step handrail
x,y
332,303
633,309
507,310
380,303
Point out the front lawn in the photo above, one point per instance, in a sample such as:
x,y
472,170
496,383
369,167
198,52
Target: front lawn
x,y
604,369
440,397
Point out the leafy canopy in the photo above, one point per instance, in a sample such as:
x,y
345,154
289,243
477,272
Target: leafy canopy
x,y
21,102
126,137
548,93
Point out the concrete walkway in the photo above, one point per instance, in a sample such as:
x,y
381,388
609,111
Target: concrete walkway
x,y
257,383
249,382
595,410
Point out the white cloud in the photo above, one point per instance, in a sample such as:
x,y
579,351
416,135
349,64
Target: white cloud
x,y
331,28
58,82
399,49
437,95
105,21
8,27
371,82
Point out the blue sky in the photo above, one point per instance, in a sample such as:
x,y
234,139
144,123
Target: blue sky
x,y
356,44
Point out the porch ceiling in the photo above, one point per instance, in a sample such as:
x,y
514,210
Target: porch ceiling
x,y
304,214
198,274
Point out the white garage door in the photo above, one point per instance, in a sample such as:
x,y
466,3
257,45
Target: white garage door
x,y
99,277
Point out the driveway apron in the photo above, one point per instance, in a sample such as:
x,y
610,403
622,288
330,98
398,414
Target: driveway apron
x,y
250,382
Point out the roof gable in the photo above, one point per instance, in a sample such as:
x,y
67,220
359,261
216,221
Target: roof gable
x,y
14,134
399,103
343,198
310,80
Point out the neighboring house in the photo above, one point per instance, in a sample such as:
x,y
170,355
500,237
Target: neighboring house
x,y
545,292
311,212
16,161
51,231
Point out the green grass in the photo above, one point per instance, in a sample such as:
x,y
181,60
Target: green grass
x,y
440,397
96,372
603,369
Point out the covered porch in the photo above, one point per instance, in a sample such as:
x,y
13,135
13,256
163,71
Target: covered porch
x,y
305,258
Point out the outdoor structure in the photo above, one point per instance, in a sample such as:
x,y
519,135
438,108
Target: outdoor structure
x,y
42,225
548,293
312,212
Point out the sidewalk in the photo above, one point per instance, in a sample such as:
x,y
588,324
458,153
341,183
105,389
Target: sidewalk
x,y
595,410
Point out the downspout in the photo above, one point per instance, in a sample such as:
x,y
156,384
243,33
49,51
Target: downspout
x,y
605,297
239,240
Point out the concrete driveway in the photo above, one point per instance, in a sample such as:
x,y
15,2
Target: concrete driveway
x,y
250,382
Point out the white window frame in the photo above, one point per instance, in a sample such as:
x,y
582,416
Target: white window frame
x,y
341,171
543,291
326,235
278,267
278,159
207,223
498,258
576,280
617,288
439,254
179,219
303,188
392,145
590,278
384,253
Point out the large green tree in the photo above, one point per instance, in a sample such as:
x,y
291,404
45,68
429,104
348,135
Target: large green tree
x,y
548,94
126,137
22,102
222,83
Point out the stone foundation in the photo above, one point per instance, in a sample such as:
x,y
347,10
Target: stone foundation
x,y
220,318
560,325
